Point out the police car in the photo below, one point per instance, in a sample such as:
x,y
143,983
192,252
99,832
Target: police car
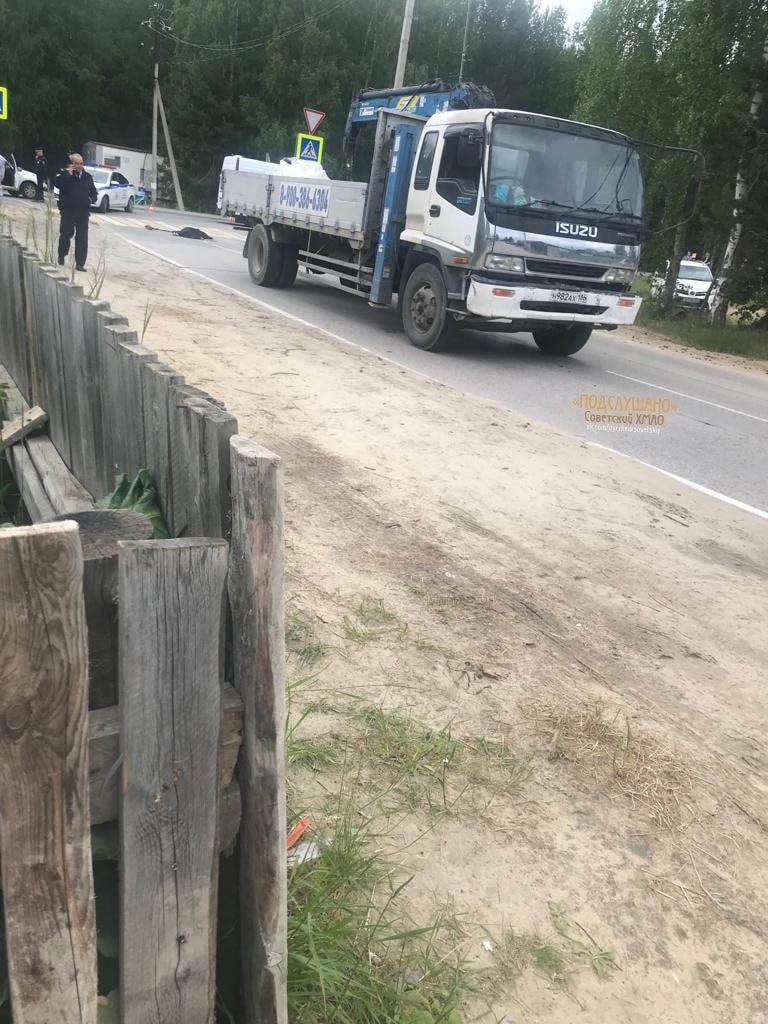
x,y
114,190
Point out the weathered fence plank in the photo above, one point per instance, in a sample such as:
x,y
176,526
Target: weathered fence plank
x,y
101,533
64,491
36,501
90,397
200,431
171,596
258,649
51,349
22,425
156,381
44,819
105,761
106,345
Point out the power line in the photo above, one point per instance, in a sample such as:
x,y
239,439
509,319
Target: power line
x,y
218,50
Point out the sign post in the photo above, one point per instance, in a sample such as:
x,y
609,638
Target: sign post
x,y
313,118
3,102
310,147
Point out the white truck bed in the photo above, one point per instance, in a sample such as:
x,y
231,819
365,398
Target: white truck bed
x,y
332,207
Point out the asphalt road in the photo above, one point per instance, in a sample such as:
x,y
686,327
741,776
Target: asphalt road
x,y
715,439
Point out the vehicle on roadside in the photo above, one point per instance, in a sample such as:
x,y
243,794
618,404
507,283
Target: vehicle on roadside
x,y
19,182
473,216
114,190
694,280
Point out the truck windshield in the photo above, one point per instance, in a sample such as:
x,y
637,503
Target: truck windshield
x,y
539,166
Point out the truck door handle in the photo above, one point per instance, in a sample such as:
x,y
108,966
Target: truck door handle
x,y
434,210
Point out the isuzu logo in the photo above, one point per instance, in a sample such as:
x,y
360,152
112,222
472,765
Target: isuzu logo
x,y
563,227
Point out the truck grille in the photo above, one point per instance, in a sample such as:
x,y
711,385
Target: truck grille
x,y
554,268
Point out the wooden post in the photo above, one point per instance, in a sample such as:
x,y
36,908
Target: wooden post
x,y
258,649
171,596
44,816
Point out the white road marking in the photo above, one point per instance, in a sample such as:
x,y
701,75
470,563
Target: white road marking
x,y
693,398
393,362
688,483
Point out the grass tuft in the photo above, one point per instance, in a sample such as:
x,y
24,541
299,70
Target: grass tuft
x,y
599,741
354,954
302,640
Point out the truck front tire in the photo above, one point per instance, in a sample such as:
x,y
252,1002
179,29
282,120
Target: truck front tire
x,y
424,309
562,341
265,257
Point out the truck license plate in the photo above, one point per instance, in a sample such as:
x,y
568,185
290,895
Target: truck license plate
x,y
577,298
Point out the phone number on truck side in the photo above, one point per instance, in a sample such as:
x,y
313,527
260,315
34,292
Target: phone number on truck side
x,y
305,198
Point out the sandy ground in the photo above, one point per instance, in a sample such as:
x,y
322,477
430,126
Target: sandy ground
x,y
529,576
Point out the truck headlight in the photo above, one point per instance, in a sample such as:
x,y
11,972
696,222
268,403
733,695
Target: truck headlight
x,y
512,264
620,275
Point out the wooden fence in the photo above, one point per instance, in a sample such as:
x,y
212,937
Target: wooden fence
x,y
142,679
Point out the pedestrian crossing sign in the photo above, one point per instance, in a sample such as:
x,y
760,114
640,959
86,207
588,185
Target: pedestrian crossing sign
x,y
3,103
310,147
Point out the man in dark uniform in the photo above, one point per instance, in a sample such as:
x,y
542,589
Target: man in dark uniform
x,y
77,193
41,170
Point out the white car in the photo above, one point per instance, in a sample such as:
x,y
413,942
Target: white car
x,y
114,190
19,182
694,280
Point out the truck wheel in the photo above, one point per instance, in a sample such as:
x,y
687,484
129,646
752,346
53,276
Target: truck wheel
x,y
562,341
290,267
424,309
265,257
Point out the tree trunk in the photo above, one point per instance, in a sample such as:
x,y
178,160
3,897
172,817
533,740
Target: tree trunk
x,y
718,298
668,295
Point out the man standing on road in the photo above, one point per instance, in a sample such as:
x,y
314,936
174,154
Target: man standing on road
x,y
41,170
77,193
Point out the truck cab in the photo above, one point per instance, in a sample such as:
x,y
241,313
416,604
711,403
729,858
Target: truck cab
x,y
534,222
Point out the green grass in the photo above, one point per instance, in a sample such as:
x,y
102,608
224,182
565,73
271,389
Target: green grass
x,y
371,622
692,330
354,954
302,640
569,948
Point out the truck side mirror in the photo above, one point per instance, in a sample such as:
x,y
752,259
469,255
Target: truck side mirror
x,y
470,149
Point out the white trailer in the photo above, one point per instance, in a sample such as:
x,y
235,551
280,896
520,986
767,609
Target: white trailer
x,y
133,163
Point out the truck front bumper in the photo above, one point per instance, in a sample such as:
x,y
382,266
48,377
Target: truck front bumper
x,y
519,302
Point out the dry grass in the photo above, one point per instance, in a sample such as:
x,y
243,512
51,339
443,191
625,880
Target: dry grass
x,y
599,741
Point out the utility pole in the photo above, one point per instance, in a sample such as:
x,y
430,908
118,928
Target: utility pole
x,y
155,86
169,149
405,38
153,166
157,105
464,44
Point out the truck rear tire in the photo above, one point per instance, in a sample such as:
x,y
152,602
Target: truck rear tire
x,y
424,309
562,341
265,257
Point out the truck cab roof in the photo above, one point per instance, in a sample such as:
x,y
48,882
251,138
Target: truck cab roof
x,y
525,117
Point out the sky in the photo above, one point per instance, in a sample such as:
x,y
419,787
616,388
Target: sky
x,y
577,10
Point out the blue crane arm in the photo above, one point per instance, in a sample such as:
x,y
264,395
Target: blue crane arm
x,y
423,100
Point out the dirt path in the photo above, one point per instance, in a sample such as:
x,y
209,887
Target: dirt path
x,y
455,564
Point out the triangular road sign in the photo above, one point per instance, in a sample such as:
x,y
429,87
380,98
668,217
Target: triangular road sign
x,y
313,118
